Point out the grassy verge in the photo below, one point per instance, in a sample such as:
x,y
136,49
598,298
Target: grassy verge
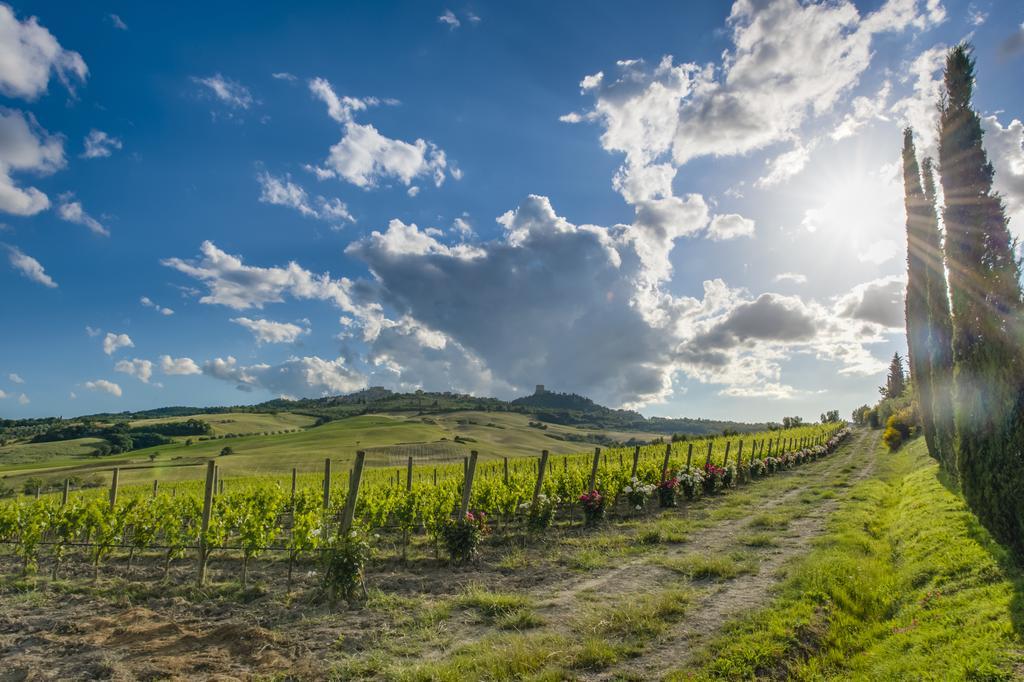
x,y
904,585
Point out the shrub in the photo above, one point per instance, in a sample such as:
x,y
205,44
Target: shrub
x,y
462,536
593,507
892,438
344,560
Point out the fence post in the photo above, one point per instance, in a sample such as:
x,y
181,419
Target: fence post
x,y
216,476
506,470
636,461
113,488
408,474
294,477
541,468
327,482
664,464
739,460
593,470
67,489
708,460
353,493
689,456
207,510
435,476
467,485
156,485
728,445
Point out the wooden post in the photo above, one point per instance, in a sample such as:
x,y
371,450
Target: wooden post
x,y
506,470
327,482
216,475
664,464
67,490
294,477
408,474
728,444
739,455
113,488
207,510
636,461
565,463
689,455
467,484
541,468
593,470
353,492
708,460
220,484
435,476
156,485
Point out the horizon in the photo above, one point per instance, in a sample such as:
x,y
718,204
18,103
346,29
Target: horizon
x,y
700,217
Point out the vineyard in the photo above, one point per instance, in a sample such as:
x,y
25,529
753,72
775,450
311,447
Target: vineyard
x,y
312,520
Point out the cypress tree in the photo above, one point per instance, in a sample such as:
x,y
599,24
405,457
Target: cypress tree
x,y
940,328
918,333
896,380
984,283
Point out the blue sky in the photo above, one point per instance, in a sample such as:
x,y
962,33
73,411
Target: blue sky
x,y
689,208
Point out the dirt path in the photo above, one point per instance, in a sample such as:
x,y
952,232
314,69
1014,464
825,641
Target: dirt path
x,y
719,603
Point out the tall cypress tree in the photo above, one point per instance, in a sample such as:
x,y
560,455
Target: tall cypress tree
x,y
984,282
940,327
918,332
896,380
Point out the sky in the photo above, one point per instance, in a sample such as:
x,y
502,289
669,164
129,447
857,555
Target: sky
x,y
689,209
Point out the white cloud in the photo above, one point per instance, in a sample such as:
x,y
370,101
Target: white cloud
x,y
1005,147
918,109
23,399
92,332
99,144
879,251
231,93
112,342
880,301
296,377
72,211
14,377
117,22
284,76
140,369
463,228
281,191
105,386
178,366
794,277
450,19
29,267
3,394
26,147
72,395
865,109
364,156
146,301
268,331
786,165
730,226
29,53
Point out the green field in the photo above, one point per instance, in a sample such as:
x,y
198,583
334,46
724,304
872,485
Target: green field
x,y
28,454
239,422
389,439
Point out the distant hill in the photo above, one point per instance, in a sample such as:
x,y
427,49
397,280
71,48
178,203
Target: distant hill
x,y
548,406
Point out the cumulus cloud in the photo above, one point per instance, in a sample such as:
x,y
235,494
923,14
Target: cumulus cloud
x,y
117,22
15,378
233,284
364,156
29,267
3,394
23,399
105,386
449,19
92,331
880,301
865,110
918,108
1005,147
730,226
146,301
178,366
786,165
29,54
112,342
140,369
72,211
268,331
99,144
281,191
232,93
25,146
296,377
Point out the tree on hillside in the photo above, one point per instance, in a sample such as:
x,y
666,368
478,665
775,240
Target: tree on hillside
x,y
896,380
984,282
925,279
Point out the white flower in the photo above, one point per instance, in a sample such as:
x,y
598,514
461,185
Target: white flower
x,y
627,489
638,507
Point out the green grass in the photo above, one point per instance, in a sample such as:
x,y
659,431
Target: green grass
x,y
507,611
904,585
239,422
718,567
